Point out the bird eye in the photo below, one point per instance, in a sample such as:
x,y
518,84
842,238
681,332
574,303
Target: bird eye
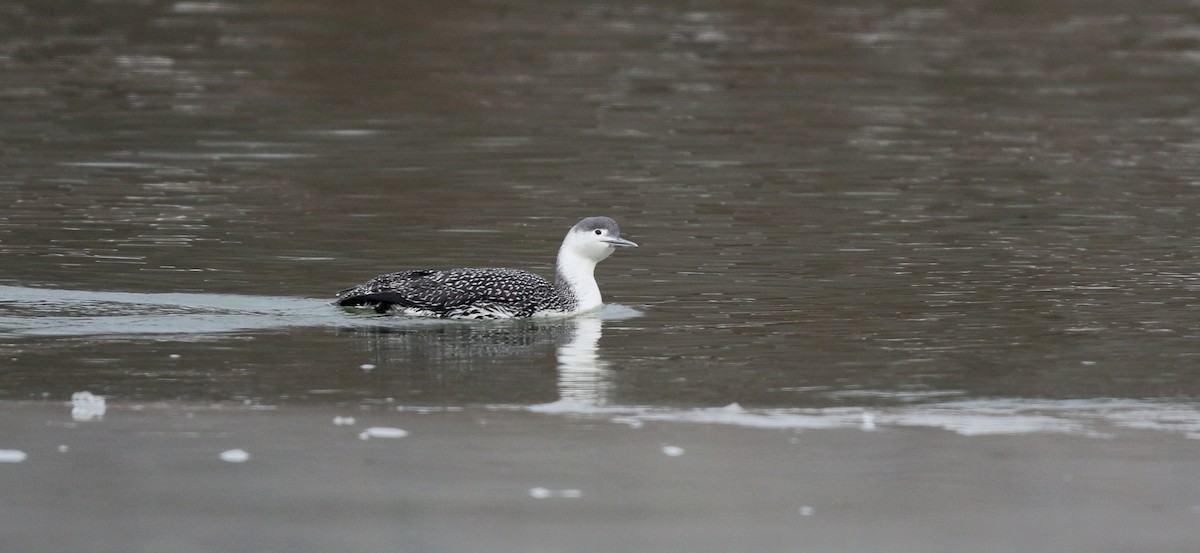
x,y
599,232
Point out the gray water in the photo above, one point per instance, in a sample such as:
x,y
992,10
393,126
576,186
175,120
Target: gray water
x,y
974,217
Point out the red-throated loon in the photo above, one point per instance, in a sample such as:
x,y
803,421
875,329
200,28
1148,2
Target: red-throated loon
x,y
499,293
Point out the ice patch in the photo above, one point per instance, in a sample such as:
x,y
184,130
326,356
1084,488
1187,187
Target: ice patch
x,y
570,406
235,456
868,422
628,421
1097,418
985,424
12,456
425,410
203,7
672,451
381,432
543,493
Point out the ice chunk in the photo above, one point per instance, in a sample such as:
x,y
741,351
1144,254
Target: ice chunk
x,y
343,421
11,456
86,407
381,432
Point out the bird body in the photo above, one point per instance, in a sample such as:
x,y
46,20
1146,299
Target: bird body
x,y
495,293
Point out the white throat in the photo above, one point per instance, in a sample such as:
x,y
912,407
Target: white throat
x,y
577,272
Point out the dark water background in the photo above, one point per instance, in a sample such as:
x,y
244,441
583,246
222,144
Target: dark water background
x,y
866,206
988,199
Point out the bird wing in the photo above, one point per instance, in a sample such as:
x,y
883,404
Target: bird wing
x,y
446,291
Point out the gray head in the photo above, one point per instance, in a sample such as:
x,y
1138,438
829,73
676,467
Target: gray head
x,y
595,237
605,229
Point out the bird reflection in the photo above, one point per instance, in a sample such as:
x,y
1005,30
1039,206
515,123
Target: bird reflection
x,y
582,376
461,345
493,362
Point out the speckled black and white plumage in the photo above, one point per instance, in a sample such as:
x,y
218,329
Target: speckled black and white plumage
x,y
489,293
461,294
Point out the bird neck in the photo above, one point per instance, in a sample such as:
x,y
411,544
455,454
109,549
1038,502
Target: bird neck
x,y
576,274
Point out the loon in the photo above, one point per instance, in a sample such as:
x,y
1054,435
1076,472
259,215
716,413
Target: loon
x,y
499,293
